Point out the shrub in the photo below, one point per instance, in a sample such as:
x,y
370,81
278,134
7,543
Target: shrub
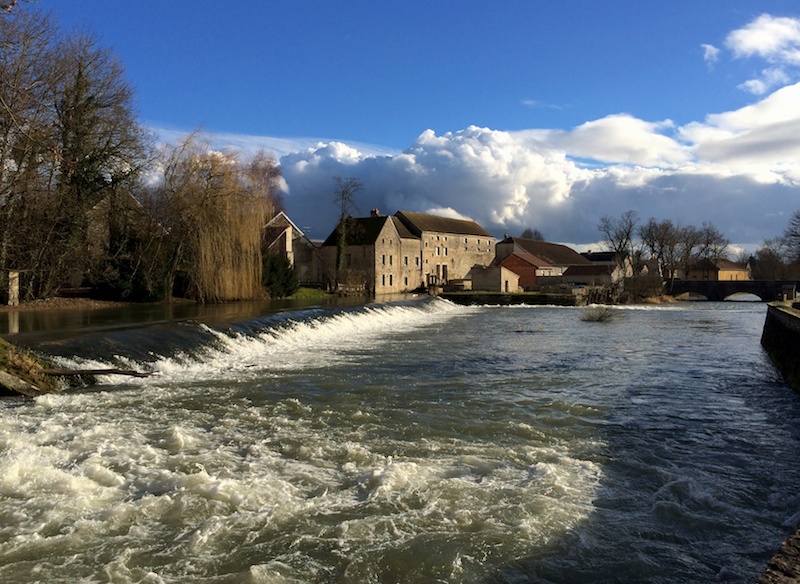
x,y
598,313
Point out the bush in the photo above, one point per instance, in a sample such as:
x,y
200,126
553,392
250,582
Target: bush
x,y
279,276
599,313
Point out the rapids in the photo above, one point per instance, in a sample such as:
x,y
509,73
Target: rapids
x,y
408,442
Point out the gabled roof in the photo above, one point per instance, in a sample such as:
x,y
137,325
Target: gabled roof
x,y
596,269
403,231
528,259
359,231
282,220
277,225
606,257
718,264
553,253
728,265
419,222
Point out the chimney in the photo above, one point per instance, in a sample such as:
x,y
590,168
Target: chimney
x,y
374,213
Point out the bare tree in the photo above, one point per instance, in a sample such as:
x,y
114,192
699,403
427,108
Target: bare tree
x,y
712,246
792,237
619,234
344,197
94,147
532,233
26,96
770,261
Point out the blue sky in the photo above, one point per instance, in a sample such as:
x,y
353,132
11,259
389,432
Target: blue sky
x,y
515,114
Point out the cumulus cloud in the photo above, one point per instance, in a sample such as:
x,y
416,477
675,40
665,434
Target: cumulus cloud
x,y
622,138
738,169
774,39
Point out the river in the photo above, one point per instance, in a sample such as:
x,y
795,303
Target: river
x,y
415,441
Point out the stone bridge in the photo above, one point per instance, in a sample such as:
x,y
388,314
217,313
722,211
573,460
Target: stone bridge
x,y
767,290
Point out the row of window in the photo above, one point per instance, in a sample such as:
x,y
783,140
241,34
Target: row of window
x,y
391,280
405,260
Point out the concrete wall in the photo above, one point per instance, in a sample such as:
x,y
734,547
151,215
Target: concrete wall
x,y
781,339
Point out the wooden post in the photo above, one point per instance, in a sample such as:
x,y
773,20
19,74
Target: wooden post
x,y
13,288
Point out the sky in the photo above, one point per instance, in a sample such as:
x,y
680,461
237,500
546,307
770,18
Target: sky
x,y
514,114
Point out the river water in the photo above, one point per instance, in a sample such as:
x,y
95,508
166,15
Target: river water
x,y
414,441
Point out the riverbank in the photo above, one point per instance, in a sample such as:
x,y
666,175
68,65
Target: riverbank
x,y
781,339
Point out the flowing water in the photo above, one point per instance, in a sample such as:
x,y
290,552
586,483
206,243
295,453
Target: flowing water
x,y
408,442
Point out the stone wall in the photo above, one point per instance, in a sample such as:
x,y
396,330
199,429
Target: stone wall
x,y
781,339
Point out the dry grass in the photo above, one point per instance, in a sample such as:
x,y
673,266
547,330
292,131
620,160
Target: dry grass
x,y
25,366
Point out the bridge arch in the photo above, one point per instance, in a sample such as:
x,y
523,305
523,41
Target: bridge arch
x,y
766,290
740,295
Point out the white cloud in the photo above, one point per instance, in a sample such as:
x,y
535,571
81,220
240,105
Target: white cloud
x,y
774,39
710,54
738,169
248,145
534,103
622,138
763,134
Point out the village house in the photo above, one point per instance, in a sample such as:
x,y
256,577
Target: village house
x,y
604,270
544,260
406,251
528,267
719,270
495,279
282,237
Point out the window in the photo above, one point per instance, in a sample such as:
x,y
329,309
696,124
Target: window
x,y
383,259
383,280
390,279
405,281
417,261
445,251
390,261
438,251
405,260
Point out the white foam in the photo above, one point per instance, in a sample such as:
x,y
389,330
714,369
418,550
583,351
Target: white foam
x,y
296,344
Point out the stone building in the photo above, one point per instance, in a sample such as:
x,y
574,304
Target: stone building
x,y
405,252
283,237
554,257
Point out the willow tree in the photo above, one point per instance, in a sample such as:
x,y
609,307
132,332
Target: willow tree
x,y
214,221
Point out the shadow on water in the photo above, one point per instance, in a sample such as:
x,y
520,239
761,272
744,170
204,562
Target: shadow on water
x,y
697,492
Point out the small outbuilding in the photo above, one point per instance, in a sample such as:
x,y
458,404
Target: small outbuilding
x,y
494,279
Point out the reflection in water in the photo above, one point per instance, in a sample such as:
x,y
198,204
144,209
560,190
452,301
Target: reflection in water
x,y
30,325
